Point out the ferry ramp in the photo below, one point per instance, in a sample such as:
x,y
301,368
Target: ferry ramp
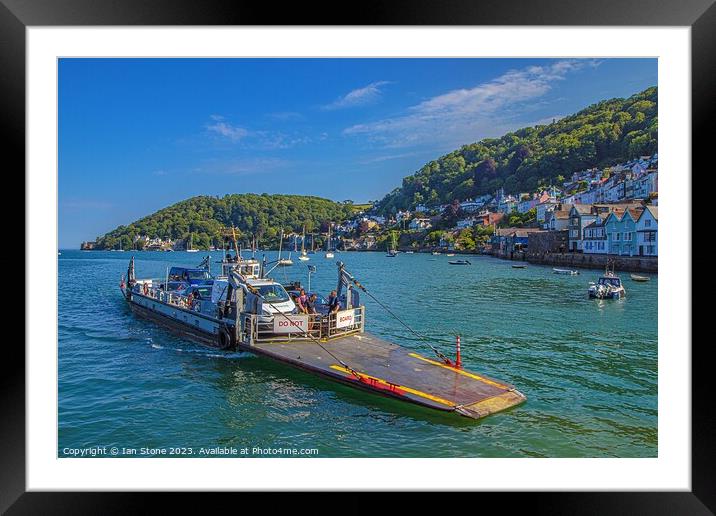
x,y
386,368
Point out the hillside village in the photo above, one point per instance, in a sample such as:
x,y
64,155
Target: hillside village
x,y
610,211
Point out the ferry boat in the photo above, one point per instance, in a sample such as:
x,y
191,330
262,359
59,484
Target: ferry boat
x,y
609,286
244,309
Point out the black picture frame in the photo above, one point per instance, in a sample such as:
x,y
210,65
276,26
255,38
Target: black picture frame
x,y
17,15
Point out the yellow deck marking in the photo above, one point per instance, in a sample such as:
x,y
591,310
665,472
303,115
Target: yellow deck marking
x,y
401,387
459,371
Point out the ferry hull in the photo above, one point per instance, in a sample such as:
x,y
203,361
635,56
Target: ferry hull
x,y
175,326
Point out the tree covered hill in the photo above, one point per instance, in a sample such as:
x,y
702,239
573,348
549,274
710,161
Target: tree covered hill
x,y
603,134
203,218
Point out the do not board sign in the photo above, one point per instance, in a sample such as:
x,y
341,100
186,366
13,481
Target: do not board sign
x,y
345,318
290,324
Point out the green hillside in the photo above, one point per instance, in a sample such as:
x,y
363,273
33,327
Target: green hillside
x,y
203,218
522,161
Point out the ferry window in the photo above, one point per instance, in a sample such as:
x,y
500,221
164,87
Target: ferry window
x,y
273,293
198,275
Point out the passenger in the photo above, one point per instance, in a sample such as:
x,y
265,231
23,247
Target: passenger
x,y
302,301
333,303
311,304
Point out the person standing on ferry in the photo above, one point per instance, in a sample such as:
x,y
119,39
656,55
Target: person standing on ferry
x,y
302,301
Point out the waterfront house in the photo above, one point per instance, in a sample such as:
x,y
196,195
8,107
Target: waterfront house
x,y
507,240
579,217
647,230
594,240
621,231
558,218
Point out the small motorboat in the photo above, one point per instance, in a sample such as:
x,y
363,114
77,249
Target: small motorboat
x,y
450,254
609,286
436,253
636,277
519,266
459,262
569,272
409,252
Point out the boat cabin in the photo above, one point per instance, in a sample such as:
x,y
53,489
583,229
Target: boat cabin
x,y
611,281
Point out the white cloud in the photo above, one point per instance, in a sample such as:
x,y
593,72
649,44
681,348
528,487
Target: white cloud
x,y
469,114
358,97
225,129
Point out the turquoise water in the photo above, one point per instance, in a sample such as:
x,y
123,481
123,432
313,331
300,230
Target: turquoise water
x,y
588,367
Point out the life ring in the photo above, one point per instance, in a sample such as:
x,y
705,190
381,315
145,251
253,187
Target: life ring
x,y
223,339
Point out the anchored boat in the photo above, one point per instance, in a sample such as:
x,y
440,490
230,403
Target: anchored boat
x,y
636,277
243,309
568,272
609,286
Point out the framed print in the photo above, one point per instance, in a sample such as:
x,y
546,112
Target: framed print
x,y
424,244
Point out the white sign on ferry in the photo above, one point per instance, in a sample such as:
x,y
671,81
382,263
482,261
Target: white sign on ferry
x,y
290,324
345,318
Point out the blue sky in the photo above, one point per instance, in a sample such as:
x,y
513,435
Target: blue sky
x,y
136,135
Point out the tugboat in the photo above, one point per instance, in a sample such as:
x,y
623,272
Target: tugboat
x,y
609,286
243,309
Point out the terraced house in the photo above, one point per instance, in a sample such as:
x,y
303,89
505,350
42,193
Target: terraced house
x,y
621,231
647,230
595,236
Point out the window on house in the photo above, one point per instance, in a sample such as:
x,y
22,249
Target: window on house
x,y
617,236
647,223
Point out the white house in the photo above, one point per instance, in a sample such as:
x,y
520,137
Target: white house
x,y
594,240
418,223
647,231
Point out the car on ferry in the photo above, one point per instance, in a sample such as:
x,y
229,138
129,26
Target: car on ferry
x,y
182,277
277,300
